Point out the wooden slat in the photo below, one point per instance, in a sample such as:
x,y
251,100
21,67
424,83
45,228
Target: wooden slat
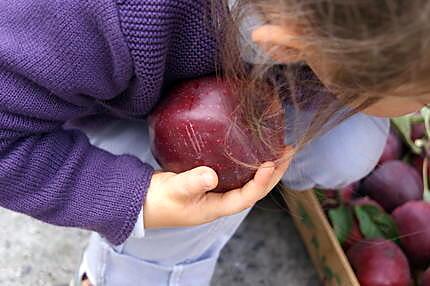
x,y
324,249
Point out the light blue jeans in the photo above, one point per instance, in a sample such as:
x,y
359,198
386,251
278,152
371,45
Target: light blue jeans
x,y
173,256
187,256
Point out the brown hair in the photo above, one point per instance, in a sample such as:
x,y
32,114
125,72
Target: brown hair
x,y
373,46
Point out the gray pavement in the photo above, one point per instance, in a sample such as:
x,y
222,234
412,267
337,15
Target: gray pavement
x,y
266,250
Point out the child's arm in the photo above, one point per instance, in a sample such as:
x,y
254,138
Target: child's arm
x,y
62,59
57,59
343,155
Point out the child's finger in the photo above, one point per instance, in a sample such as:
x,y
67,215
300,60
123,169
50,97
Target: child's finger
x,y
234,201
193,182
282,167
264,181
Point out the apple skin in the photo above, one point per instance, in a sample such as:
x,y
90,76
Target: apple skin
x,y
200,123
354,236
379,262
349,193
393,184
412,220
393,149
418,131
417,162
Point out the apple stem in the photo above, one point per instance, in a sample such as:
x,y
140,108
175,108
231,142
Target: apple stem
x,y
425,180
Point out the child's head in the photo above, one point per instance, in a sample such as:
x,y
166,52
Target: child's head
x,y
362,48
373,55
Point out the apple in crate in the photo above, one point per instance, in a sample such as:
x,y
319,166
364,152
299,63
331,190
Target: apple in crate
x,y
393,149
413,222
418,131
393,184
202,123
379,262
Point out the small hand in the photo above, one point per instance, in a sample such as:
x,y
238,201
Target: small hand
x,y
183,199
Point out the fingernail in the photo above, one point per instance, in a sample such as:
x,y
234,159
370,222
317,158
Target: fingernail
x,y
208,179
272,170
269,165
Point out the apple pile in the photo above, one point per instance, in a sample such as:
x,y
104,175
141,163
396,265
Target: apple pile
x,y
201,122
383,221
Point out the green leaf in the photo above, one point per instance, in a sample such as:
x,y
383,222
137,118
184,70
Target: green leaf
x,y
341,218
383,220
375,223
403,125
367,227
425,112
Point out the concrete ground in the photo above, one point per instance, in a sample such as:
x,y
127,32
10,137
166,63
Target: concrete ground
x,y
266,250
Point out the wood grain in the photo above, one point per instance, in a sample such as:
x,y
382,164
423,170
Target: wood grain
x,y
324,249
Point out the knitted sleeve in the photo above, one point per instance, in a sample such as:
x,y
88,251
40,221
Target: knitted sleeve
x,y
58,59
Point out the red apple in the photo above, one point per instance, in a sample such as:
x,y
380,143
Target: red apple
x,y
330,199
201,123
354,235
379,262
349,192
393,149
393,184
418,131
417,162
413,222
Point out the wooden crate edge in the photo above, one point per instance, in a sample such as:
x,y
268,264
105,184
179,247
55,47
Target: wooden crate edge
x,y
323,247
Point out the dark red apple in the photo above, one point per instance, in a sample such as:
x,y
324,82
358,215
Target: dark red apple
x,y
331,193
425,278
417,162
393,149
332,197
413,223
379,262
418,131
201,123
354,236
349,192
393,184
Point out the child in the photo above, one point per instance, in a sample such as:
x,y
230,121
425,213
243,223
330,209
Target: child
x,y
62,60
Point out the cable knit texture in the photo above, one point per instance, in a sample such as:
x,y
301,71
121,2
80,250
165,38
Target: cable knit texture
x,y
64,59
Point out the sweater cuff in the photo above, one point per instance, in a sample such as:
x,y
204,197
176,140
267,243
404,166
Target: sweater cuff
x,y
135,207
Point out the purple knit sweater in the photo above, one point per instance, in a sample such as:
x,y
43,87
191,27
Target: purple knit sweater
x,y
64,59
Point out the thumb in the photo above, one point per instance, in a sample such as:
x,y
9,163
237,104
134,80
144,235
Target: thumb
x,y
194,182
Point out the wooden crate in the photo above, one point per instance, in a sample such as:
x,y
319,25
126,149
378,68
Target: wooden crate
x,y
324,249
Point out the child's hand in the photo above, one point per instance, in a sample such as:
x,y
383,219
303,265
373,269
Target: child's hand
x,y
175,200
